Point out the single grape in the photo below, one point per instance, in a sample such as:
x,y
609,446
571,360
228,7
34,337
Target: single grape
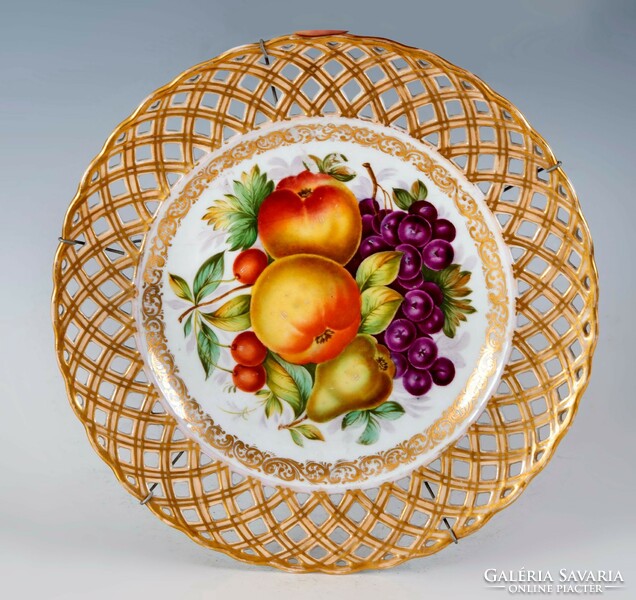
x,y
438,254
367,226
417,305
434,291
417,381
411,263
401,364
412,284
422,353
443,229
443,371
424,209
400,335
389,227
368,206
372,245
377,220
414,230
433,323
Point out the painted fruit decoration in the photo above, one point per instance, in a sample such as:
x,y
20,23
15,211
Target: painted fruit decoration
x,y
336,302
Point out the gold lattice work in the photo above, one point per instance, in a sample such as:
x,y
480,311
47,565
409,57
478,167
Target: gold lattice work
x,y
488,139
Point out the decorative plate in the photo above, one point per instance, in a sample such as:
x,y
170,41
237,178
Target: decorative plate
x,y
326,303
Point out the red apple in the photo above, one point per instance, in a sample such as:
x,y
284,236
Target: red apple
x,y
310,213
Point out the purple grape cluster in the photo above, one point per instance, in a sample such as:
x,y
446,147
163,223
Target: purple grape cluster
x,y
423,239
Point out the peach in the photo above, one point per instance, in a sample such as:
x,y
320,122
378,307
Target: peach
x,y
306,308
310,213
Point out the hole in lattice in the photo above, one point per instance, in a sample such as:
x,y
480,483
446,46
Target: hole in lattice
x,y
203,127
124,454
577,303
90,267
516,441
543,432
432,139
561,284
574,259
481,107
486,135
297,534
230,536
117,188
221,75
401,122
522,320
538,342
460,161
311,88
281,512
527,380
503,219
363,551
563,215
458,135
301,498
575,349
210,483
173,152
120,365
339,536
415,88
249,82
457,497
114,161
515,166
99,416
319,515
537,265
418,519
209,100
237,109
290,72
399,64
181,489
318,552
453,108
217,512
482,498
510,413
539,201
79,400
356,54
488,472
538,406
356,513
71,331
257,527
93,351
190,515
553,243
486,162
134,400
273,547
394,506
333,67
88,308
154,431
527,229
461,469
380,531
389,98
179,98
127,213
145,128
487,443
151,459
515,355
484,418
405,541
563,415
245,500
443,82
177,459
313,53
510,193
351,90
516,139
375,74
553,366
174,124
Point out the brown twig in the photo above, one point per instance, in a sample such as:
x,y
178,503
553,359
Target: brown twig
x,y
374,180
295,422
187,312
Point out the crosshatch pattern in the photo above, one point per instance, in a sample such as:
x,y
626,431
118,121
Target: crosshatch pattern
x,y
395,85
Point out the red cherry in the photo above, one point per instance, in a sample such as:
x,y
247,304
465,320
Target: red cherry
x,y
248,379
248,350
248,265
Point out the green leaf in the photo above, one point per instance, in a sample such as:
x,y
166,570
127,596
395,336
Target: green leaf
x,y
333,165
291,383
419,191
371,432
180,287
208,277
379,305
380,268
238,212
208,348
402,198
353,418
296,437
234,315
273,406
456,305
389,410
311,432
187,326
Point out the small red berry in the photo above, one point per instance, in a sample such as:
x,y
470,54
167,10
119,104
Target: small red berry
x,y
248,379
248,350
248,265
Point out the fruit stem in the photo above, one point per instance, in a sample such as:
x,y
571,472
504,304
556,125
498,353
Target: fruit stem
x,y
236,289
221,368
295,422
374,179
377,186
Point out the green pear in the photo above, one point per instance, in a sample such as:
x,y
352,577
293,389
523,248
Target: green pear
x,y
359,378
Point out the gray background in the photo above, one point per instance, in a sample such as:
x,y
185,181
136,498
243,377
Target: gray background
x,y
72,70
